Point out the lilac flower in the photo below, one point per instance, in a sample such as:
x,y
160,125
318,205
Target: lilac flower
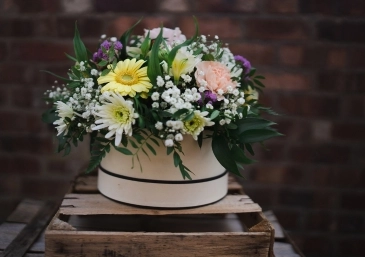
x,y
245,63
118,45
209,97
105,45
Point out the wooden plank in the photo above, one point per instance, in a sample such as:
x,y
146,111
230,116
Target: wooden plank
x,y
273,220
22,242
80,204
156,244
25,211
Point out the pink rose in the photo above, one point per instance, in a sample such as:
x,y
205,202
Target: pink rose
x,y
214,76
171,35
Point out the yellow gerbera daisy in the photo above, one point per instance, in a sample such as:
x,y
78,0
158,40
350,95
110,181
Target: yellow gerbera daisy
x,y
128,78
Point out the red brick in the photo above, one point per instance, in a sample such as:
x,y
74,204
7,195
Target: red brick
x,y
352,7
15,121
155,22
351,223
276,173
60,70
4,97
291,55
323,176
18,164
92,27
174,5
313,6
41,51
308,105
353,201
65,27
257,54
276,29
119,25
9,184
353,106
349,131
288,219
283,6
37,6
263,196
126,6
320,221
321,130
3,51
346,31
18,74
295,198
357,57
34,144
336,58
319,245
293,130
221,6
45,187
351,247
321,153
287,81
351,177
225,28
17,27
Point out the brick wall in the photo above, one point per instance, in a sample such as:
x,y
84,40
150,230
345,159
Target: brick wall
x,y
312,53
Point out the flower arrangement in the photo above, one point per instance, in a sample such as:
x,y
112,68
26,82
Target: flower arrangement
x,y
162,87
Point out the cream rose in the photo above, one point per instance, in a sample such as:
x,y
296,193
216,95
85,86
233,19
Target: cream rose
x,y
214,76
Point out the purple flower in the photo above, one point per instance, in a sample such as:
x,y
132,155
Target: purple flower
x,y
118,45
105,45
209,97
245,63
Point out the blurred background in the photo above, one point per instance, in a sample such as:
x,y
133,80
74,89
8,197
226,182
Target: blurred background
x,y
311,52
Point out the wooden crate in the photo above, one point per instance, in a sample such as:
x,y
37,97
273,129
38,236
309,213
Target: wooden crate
x,y
92,225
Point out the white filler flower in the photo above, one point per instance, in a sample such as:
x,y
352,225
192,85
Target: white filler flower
x,y
117,115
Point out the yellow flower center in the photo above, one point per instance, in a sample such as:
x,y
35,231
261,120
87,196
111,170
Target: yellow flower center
x,y
121,114
193,125
127,78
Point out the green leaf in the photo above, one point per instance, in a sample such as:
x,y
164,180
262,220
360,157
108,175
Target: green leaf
x,y
257,135
103,63
259,77
53,74
79,47
249,149
123,150
169,150
138,137
154,141
184,171
214,114
239,155
133,144
73,84
71,57
145,46
144,151
125,141
208,57
49,116
179,113
177,159
253,123
94,162
259,83
200,140
154,68
189,117
105,72
231,126
221,150
124,39
151,148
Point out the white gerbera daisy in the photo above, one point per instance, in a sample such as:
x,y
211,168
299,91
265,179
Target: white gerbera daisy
x,y
117,115
63,111
195,126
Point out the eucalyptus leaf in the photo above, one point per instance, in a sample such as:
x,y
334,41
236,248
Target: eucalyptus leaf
x,y
123,150
151,149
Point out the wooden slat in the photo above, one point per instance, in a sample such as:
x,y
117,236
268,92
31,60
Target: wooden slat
x,y
22,242
96,204
92,244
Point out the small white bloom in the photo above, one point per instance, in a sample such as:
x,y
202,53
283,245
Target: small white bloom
x,y
159,125
155,105
94,72
179,137
155,96
169,143
113,39
222,122
103,36
220,92
241,100
209,106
